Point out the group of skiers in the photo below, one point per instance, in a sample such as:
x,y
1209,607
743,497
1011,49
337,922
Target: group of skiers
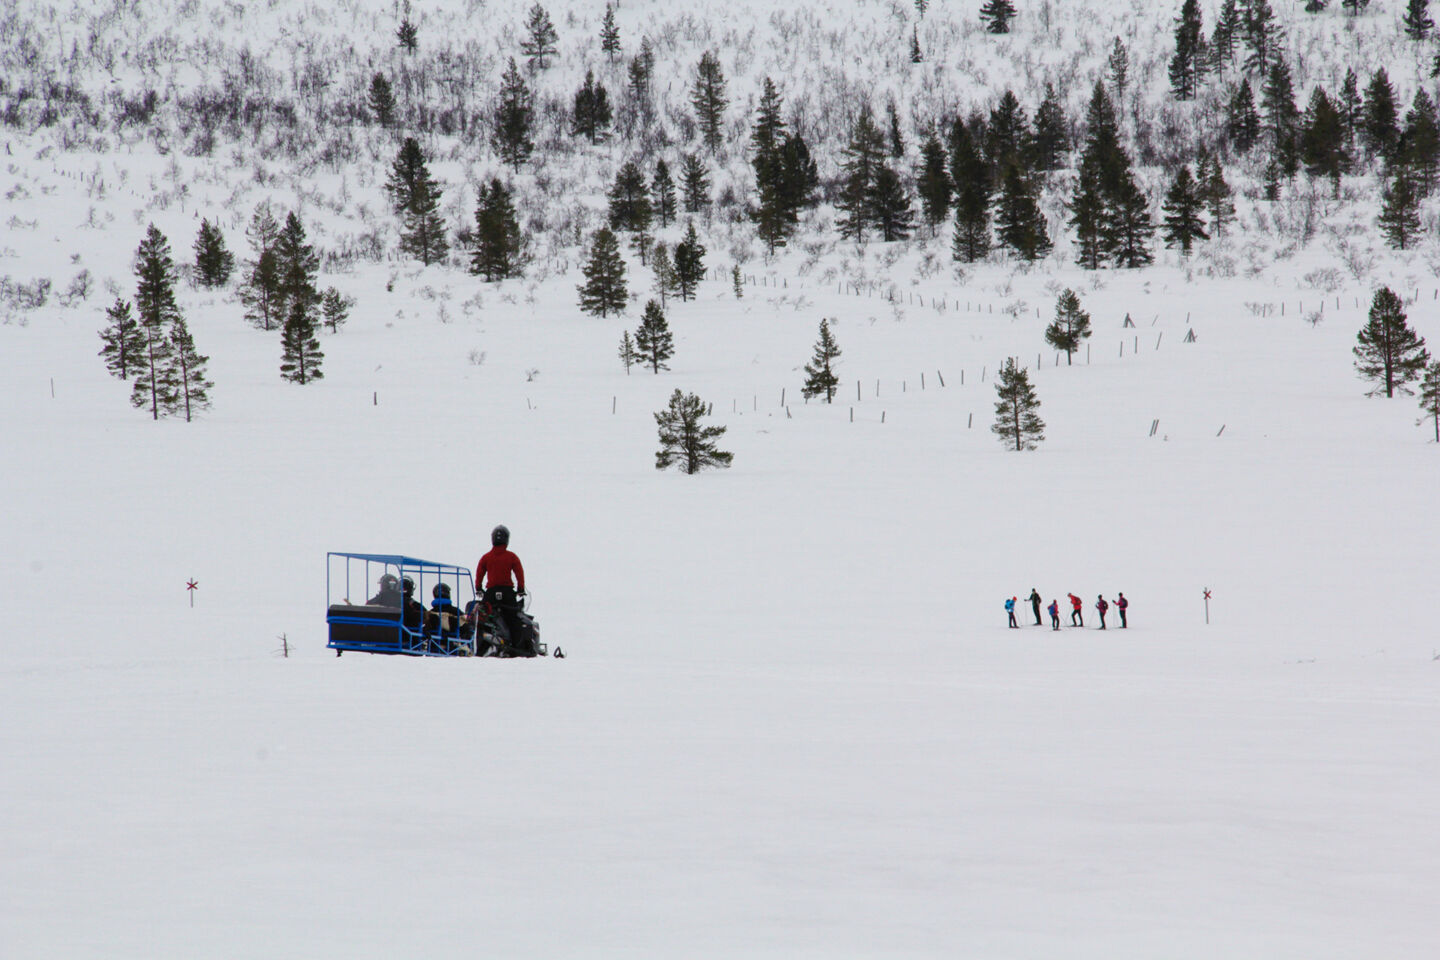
x,y
1077,617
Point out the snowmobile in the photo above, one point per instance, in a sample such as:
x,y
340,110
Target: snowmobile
x,y
395,621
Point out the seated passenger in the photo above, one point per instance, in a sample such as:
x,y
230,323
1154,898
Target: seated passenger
x,y
389,595
414,610
443,612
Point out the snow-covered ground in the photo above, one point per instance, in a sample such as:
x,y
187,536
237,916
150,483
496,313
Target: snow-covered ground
x,y
792,721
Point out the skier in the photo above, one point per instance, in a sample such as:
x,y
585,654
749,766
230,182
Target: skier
x,y
1102,606
497,567
389,595
1010,611
1035,604
1054,611
1122,605
1077,619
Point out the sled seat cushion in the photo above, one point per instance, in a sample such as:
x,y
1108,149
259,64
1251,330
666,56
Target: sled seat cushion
x,y
356,625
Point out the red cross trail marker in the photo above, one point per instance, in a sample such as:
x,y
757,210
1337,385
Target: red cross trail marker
x,y
1207,605
191,586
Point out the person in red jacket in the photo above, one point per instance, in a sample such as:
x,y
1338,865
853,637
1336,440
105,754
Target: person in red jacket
x,y
1102,606
500,578
1077,619
1122,605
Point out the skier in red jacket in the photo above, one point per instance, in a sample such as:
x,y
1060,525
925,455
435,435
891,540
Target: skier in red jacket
x,y
500,578
1077,619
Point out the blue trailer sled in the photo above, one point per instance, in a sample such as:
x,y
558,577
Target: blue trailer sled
x,y
388,603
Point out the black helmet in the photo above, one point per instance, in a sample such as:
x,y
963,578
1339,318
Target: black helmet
x,y
441,590
500,536
408,584
389,583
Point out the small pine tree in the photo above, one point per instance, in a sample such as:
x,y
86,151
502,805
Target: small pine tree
x,y
1430,396
498,253
1070,327
1051,138
1018,221
666,284
300,347
630,200
422,234
1087,216
382,100
157,312
261,291
737,282
1388,352
1263,36
684,440
1322,139
124,341
654,344
1380,117
1419,151
609,34
662,191
407,36
820,377
689,263
335,308
541,41
1187,66
916,55
213,263
996,15
604,291
1183,205
1216,193
1016,418
192,388
1400,212
1242,119
1418,24
298,266
592,114
1127,228
514,118
890,205
694,184
933,183
1118,64
864,155
708,98
627,352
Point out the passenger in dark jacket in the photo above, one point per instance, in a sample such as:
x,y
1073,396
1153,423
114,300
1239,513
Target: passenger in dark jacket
x,y
1035,604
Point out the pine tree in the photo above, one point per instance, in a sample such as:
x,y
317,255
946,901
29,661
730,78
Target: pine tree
x,y
1388,352
1187,66
1417,19
1263,37
773,214
666,283
996,15
1380,124
820,377
1118,64
627,352
498,241
694,184
541,41
300,356
1430,396
422,233
592,114
192,387
1400,212
1128,227
863,157
916,56
684,440
1242,121
1352,109
1222,38
1018,221
1419,150
1087,216
1282,117
382,100
1051,139
1356,7
1322,139
406,35
1216,193
972,197
799,175
1007,137
124,341
707,95
1183,204
298,266
897,138
213,263
933,182
514,119
405,175
604,290
630,200
609,34
1017,419
890,205
689,263
662,193
639,72
335,308
654,343
1070,327
261,292
156,311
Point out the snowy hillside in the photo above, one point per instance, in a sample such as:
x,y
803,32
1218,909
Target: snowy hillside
x,y
792,720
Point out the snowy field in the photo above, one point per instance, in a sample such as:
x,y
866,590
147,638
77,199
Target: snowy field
x,y
792,721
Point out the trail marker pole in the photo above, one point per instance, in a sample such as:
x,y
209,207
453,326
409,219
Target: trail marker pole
x,y
1207,606
191,586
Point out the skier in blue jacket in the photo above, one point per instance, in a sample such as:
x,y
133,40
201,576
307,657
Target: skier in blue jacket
x,y
1010,610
